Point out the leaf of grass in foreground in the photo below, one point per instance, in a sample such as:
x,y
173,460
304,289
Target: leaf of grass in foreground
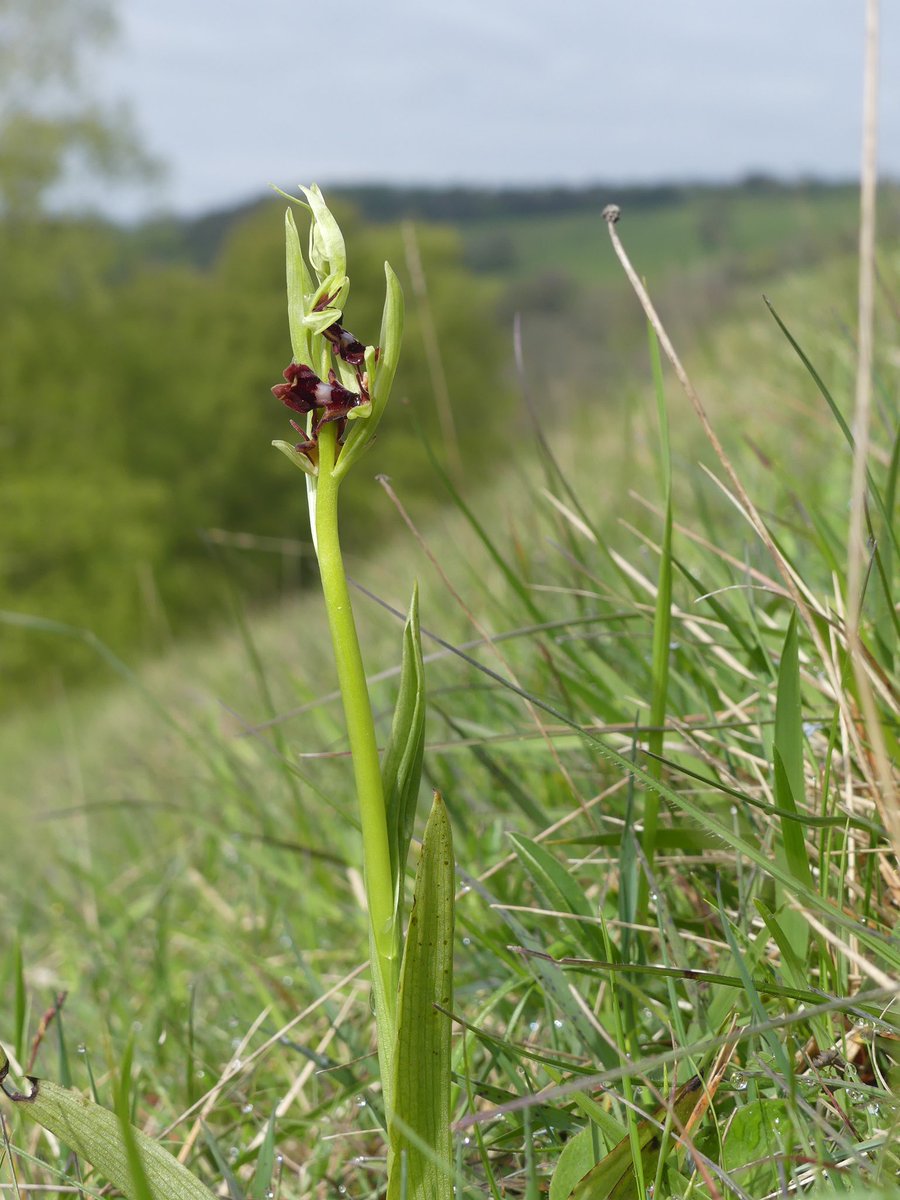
x,y
613,1178
420,1128
97,1135
662,636
261,1188
787,754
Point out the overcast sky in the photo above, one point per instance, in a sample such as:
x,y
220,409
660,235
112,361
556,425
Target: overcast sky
x,y
236,95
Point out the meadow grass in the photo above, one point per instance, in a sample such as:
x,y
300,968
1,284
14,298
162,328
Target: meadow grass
x,y
673,859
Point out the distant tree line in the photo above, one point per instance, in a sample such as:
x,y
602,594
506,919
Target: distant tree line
x,y
200,238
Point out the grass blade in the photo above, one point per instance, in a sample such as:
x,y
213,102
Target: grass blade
x,y
261,1188
560,889
662,634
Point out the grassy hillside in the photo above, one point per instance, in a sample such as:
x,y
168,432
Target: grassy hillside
x,y
193,831
137,365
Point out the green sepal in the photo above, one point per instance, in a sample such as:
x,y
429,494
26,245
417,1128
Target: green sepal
x,y
327,253
306,465
334,288
420,1151
381,372
362,412
389,341
401,769
299,287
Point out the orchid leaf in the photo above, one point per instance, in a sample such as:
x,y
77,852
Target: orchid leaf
x,y
419,1129
401,770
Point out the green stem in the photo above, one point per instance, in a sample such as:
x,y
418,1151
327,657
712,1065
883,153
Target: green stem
x,y
384,934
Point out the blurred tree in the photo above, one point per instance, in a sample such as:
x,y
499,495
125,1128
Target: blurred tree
x,y
50,123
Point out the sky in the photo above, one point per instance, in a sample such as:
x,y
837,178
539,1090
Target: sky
x,y
235,96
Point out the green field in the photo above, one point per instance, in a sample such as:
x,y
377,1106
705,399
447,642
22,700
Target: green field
x,y
183,856
755,234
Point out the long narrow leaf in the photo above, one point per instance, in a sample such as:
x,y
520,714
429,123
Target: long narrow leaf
x,y
613,1178
420,1146
560,890
96,1134
787,756
401,770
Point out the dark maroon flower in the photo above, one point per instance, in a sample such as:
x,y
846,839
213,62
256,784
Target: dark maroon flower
x,y
305,392
349,348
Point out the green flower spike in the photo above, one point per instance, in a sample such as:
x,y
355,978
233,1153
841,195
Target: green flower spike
x,y
340,364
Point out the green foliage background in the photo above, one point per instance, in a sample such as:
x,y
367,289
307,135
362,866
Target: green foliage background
x,y
137,416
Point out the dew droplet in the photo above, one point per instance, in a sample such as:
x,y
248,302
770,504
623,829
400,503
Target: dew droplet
x,y
738,1081
361,1102
558,1022
81,1048
467,941
233,1153
247,1108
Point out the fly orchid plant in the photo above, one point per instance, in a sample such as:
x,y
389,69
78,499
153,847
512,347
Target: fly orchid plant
x,y
339,386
